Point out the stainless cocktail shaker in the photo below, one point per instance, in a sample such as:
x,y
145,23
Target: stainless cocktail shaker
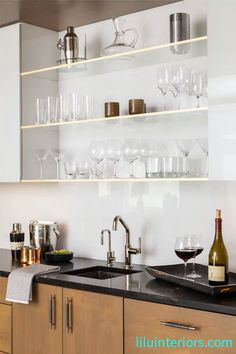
x,y
180,31
70,46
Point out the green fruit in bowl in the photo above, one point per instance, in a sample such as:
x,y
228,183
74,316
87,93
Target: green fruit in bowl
x,y
61,252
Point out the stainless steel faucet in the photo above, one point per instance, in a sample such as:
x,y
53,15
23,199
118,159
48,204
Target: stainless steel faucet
x,y
128,248
110,254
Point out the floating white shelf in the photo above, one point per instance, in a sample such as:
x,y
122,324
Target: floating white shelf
x,y
172,113
197,179
154,55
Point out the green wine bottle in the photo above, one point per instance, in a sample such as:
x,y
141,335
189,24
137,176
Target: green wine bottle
x,y
218,256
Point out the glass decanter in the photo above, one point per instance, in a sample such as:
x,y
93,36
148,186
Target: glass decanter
x,y
121,44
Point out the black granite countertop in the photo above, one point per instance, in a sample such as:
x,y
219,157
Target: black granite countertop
x,y
139,286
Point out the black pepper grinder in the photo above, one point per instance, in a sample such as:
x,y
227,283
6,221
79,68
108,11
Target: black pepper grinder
x,y
17,238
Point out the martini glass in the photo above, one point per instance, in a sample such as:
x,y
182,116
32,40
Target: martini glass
x,y
203,144
40,155
185,146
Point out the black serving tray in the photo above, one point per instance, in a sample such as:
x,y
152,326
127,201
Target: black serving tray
x,y
175,274
57,258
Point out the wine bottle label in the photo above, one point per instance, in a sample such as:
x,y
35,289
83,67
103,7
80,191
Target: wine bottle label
x,y
216,273
15,245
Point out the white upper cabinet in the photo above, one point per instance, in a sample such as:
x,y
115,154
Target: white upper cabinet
x,y
10,104
222,89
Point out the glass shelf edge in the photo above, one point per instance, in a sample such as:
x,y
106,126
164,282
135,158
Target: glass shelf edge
x,y
103,119
108,57
115,180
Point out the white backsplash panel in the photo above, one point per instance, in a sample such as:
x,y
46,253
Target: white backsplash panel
x,y
158,212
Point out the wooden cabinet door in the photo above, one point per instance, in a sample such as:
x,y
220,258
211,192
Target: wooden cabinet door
x,y
5,328
37,327
3,290
149,320
93,323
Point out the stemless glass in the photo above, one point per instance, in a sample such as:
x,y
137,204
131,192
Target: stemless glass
x,y
184,252
65,107
77,106
53,109
88,107
97,153
153,163
131,153
163,83
114,153
57,156
41,111
194,242
40,155
83,169
203,144
70,168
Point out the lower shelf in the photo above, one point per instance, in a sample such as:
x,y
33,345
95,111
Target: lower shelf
x,y
197,179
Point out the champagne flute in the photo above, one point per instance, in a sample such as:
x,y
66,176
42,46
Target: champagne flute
x,y
199,88
194,242
177,81
184,252
57,157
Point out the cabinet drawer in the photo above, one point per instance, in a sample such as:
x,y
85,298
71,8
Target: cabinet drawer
x,y
155,321
3,290
5,328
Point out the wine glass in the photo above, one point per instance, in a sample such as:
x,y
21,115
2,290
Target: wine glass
x,y
40,155
184,252
177,81
194,242
114,153
185,146
57,157
199,87
163,83
97,153
131,153
203,144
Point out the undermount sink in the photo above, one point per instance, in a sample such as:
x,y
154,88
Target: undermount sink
x,y
100,272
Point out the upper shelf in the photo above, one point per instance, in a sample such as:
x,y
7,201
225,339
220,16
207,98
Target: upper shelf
x,y
154,55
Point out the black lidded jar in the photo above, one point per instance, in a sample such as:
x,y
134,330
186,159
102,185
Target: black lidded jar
x,y
17,238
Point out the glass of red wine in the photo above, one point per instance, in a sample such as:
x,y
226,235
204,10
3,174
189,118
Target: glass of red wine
x,y
184,251
194,242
